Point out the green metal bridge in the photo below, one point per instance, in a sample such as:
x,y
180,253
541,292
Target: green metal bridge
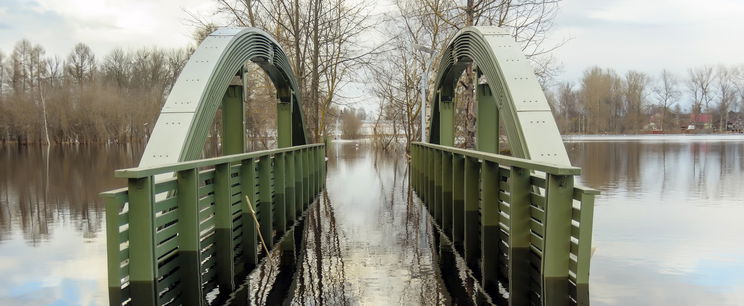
x,y
185,227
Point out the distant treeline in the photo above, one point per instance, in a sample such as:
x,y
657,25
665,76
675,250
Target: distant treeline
x,y
83,98
605,102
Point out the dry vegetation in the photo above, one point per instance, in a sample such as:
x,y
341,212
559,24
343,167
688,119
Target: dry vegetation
x,y
81,99
605,102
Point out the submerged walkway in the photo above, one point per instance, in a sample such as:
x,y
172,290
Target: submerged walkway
x,y
373,235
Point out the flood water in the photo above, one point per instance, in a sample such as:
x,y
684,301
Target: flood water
x,y
667,227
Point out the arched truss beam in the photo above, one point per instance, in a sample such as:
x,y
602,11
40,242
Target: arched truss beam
x,y
189,110
511,85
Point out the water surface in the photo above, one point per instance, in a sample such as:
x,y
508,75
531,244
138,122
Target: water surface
x,y
667,227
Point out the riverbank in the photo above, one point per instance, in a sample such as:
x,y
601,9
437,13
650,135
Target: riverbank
x,y
655,137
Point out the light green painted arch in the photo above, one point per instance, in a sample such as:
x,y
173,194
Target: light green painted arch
x,y
522,106
181,129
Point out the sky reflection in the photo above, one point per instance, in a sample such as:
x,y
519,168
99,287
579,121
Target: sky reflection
x,y
667,227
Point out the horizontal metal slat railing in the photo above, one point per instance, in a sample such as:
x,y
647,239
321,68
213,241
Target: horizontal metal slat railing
x,y
179,231
519,224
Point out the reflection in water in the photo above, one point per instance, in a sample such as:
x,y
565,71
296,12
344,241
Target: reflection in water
x,y
667,229
667,226
51,219
366,241
34,196
384,236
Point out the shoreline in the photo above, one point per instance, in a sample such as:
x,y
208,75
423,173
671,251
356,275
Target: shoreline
x,y
653,137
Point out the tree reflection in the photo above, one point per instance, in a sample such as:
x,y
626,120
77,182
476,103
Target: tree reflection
x,y
651,171
41,188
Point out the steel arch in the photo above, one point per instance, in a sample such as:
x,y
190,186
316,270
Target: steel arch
x,y
530,126
181,129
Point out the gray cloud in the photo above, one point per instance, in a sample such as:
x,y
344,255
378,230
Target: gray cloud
x,y
59,24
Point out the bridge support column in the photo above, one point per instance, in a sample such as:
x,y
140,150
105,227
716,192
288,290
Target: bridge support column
x,y
284,118
446,116
142,266
519,236
233,121
313,161
437,174
472,201
189,237
557,241
280,214
413,162
248,181
319,167
289,188
447,194
585,251
266,201
299,205
491,255
320,159
429,181
487,119
223,208
307,197
421,177
458,202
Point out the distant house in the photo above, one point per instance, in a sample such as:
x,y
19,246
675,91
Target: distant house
x,y
701,122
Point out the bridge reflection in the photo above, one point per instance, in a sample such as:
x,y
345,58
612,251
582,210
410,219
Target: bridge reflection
x,y
366,242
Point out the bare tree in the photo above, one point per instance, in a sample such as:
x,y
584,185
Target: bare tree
x,y
116,68
740,87
3,75
4,131
433,22
55,70
699,86
726,92
601,96
636,84
81,64
20,59
567,111
666,93
322,38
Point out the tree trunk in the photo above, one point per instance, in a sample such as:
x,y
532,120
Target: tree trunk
x,y
315,81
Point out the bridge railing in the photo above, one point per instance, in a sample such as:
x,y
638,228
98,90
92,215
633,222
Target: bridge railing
x,y
179,231
520,225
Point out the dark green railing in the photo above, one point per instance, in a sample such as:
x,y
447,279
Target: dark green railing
x,y
520,225
179,231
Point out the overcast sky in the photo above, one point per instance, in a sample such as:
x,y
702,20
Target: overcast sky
x,y
645,35
649,35
103,24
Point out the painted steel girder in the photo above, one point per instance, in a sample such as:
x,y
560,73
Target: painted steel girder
x,y
529,123
185,119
